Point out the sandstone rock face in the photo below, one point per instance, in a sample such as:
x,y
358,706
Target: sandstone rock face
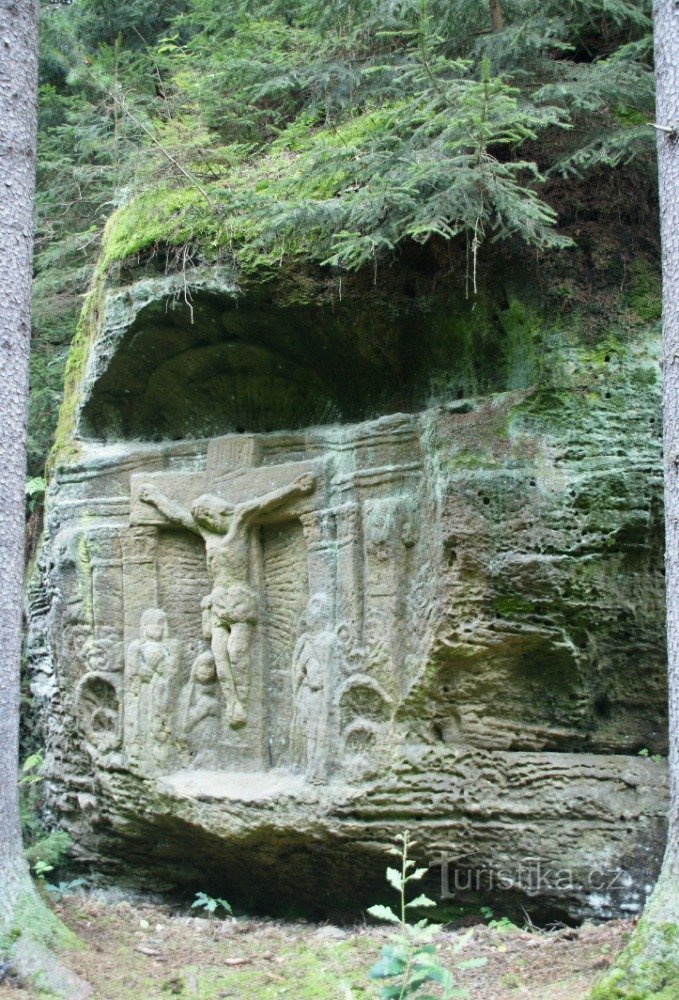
x,y
266,650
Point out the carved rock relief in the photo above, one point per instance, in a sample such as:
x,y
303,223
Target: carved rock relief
x,y
247,616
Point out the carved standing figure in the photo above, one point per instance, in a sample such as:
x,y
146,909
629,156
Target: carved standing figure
x,y
225,529
313,664
153,664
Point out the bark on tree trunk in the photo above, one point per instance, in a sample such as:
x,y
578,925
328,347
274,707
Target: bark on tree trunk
x,y
649,966
666,24
497,22
18,82
27,926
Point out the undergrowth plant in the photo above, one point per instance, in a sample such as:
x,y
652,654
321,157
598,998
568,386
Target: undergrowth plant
x,y
65,888
409,966
45,849
210,904
35,492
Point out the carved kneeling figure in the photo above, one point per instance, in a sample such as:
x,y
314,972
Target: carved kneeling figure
x,y
203,710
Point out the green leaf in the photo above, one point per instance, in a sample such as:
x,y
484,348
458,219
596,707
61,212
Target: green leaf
x,y
426,931
386,967
426,951
418,873
35,486
462,941
471,963
392,992
437,974
421,901
383,913
30,769
394,879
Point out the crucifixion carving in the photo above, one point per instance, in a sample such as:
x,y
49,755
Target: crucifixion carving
x,y
226,527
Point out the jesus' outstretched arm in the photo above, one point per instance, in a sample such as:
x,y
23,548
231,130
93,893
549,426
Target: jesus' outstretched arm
x,y
170,509
302,486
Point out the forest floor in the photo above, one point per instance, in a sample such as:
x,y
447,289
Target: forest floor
x,y
146,951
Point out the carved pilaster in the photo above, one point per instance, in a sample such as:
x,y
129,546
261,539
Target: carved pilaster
x,y
140,584
319,534
349,611
106,562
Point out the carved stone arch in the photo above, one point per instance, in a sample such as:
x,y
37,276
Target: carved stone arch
x,y
97,702
362,697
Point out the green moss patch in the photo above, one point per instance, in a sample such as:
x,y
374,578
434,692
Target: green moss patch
x,y
648,969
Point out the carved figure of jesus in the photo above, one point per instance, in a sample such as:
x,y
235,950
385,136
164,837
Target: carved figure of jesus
x,y
225,529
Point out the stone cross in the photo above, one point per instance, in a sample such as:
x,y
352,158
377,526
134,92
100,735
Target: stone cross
x,y
223,505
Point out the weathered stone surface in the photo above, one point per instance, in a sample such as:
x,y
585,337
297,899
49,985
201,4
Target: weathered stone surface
x,y
265,653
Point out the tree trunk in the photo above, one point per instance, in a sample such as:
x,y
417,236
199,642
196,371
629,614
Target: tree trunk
x,y
497,21
649,965
27,926
666,23
18,83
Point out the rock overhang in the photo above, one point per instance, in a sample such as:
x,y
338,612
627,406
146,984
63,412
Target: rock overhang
x,y
167,361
